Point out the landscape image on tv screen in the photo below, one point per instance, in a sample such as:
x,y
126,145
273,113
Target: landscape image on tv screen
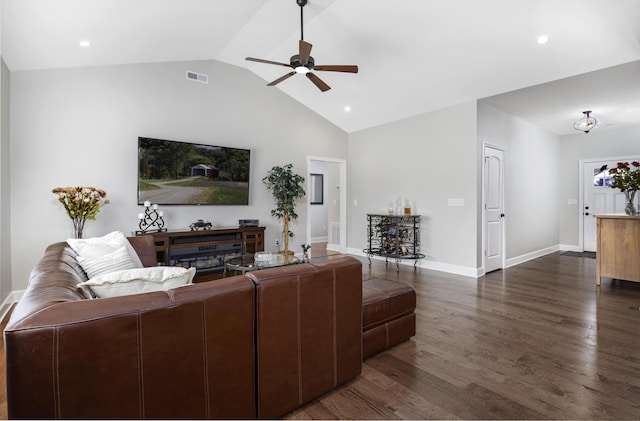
x,y
183,173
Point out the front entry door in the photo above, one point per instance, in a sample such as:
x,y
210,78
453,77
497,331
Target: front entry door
x,y
493,175
599,197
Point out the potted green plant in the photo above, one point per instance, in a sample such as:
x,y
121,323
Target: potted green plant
x,y
286,188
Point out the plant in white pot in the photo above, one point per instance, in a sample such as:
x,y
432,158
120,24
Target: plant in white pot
x,y
286,188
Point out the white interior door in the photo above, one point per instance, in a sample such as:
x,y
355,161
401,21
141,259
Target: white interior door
x,y
493,175
599,197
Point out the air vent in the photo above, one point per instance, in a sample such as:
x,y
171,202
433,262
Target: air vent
x,y
197,77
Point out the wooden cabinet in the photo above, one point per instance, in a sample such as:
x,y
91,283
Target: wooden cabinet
x,y
206,250
618,247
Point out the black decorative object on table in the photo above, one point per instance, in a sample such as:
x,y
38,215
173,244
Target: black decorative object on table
x,y
200,224
151,220
305,252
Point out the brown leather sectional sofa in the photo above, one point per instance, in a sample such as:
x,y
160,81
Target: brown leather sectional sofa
x,y
248,346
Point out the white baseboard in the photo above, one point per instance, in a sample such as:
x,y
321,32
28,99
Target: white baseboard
x,y
319,239
449,268
333,247
12,298
569,247
426,264
469,271
530,256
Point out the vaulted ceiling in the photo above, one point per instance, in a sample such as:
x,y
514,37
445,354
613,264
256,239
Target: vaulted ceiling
x,y
414,56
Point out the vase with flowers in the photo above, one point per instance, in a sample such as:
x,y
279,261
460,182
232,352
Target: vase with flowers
x,y
626,177
81,203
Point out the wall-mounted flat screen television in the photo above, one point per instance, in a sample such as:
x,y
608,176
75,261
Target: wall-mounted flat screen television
x,y
182,173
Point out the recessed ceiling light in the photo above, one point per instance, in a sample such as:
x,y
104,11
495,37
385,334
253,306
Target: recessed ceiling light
x,y
347,108
542,39
84,43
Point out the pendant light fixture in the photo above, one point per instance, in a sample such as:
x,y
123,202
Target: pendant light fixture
x,y
586,123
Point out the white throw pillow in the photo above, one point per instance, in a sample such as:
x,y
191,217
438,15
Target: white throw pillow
x,y
96,247
114,261
139,280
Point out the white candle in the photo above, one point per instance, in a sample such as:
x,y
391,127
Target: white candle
x,y
155,206
147,204
160,213
140,216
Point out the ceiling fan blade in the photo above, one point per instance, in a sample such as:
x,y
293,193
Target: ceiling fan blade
x,y
280,79
318,82
259,60
337,68
305,52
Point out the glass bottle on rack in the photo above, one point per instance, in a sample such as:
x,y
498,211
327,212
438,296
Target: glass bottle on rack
x,y
407,207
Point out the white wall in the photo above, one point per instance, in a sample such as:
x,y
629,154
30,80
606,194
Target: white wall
x,y
5,219
531,188
319,213
5,216
5,236
332,198
80,127
603,142
428,158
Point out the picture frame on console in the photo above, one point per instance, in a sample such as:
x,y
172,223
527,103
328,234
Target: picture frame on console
x,y
316,189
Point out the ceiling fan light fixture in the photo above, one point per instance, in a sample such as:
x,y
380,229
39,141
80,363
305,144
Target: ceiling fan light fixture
x,y
302,63
586,123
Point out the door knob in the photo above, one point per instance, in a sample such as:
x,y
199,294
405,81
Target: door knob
x,y
502,215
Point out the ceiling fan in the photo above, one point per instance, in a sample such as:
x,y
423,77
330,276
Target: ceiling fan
x,y
303,63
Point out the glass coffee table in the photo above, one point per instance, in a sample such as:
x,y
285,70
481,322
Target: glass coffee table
x,y
249,262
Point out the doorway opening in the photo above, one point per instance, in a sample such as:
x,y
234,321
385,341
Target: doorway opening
x,y
326,205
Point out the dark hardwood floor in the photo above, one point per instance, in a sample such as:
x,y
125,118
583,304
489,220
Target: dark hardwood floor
x,y
536,341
